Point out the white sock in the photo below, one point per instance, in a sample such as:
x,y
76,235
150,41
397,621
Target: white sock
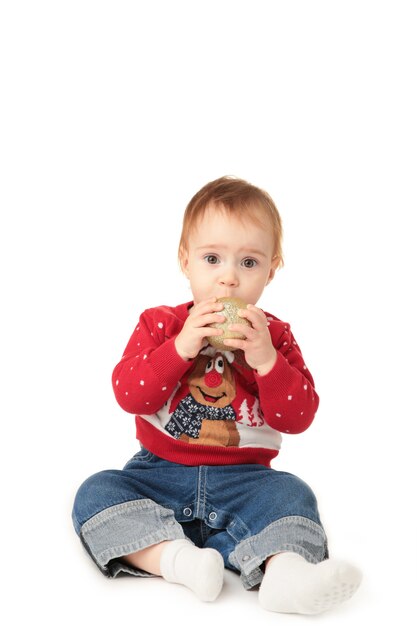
x,y
199,569
292,585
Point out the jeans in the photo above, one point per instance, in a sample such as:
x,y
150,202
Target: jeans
x,y
246,512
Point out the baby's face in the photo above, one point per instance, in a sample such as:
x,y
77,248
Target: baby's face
x,y
228,257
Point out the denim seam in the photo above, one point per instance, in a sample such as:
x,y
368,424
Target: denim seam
x,y
205,493
204,532
198,494
101,518
201,492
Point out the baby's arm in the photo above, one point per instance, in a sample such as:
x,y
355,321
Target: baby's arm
x,y
286,388
287,396
193,336
160,351
150,368
260,353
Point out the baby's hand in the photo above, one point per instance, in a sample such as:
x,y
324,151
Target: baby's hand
x,y
260,353
195,330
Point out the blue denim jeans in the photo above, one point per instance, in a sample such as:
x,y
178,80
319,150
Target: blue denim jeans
x,y
246,512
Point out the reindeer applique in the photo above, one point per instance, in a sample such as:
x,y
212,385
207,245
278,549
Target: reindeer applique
x,y
205,416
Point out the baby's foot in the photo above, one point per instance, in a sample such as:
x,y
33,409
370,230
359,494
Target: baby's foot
x,y
292,585
199,569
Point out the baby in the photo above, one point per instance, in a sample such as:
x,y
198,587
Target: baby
x,y
201,495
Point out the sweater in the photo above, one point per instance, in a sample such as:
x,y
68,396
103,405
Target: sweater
x,y
214,409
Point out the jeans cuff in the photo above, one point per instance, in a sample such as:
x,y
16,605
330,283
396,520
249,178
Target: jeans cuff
x,y
126,528
288,534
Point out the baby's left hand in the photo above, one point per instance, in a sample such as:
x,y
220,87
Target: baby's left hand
x,y
260,353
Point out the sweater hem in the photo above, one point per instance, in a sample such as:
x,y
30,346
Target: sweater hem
x,y
184,453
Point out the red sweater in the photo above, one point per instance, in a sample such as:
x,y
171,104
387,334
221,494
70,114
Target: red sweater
x,y
213,410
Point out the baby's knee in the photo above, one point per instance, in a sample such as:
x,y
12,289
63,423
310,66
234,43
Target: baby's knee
x,y
303,492
91,497
296,497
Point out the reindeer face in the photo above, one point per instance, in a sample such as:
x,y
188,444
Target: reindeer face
x,y
211,382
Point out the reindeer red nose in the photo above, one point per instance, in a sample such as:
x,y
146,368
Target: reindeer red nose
x,y
213,379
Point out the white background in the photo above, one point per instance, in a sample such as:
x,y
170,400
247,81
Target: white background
x,y
113,114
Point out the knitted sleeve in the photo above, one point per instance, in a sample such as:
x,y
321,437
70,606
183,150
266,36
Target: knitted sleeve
x,y
287,395
150,368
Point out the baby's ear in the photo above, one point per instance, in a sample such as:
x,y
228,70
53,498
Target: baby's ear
x,y
275,264
183,259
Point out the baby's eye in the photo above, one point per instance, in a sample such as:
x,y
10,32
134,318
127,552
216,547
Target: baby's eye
x,y
211,258
249,263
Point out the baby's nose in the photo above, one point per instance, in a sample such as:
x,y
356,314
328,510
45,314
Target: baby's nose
x,y
229,278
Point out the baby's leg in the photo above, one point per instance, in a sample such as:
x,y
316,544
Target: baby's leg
x,y
292,585
149,559
281,517
179,561
119,521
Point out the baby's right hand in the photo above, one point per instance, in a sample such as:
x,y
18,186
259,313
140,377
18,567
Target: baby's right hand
x,y
195,330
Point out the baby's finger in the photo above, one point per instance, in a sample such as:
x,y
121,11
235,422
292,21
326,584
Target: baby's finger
x,y
236,344
255,316
207,306
246,331
209,318
212,332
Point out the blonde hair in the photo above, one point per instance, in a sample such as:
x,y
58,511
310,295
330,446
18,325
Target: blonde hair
x,y
239,198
